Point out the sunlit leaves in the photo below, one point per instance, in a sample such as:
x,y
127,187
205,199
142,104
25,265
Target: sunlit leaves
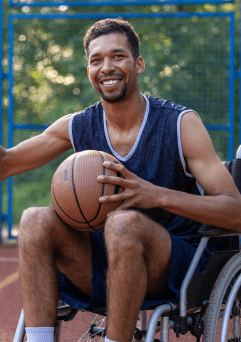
x,y
186,61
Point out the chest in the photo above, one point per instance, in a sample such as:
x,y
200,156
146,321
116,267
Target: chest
x,y
123,142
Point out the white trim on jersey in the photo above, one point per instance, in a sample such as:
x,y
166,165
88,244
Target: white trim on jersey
x,y
179,140
138,136
71,132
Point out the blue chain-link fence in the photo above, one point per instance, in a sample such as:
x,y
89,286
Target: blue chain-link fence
x,y
190,59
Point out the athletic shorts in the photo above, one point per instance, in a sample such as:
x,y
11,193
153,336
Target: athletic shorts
x,y
182,255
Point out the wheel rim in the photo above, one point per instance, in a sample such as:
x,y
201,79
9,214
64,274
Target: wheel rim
x,y
85,327
231,317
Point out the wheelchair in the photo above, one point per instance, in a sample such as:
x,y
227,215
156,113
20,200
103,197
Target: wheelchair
x,y
209,307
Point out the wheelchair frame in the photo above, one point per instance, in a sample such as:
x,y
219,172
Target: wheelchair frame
x,y
180,316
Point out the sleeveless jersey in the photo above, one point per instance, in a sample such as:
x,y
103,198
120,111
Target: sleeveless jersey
x,y
156,155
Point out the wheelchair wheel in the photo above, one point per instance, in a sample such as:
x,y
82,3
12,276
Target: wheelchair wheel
x,y
91,327
85,326
217,302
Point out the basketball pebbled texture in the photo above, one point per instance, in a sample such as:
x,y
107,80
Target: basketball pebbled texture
x,y
75,190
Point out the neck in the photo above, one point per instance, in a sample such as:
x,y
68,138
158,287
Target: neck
x,y
126,113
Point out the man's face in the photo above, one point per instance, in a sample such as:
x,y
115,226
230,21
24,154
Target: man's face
x,y
112,69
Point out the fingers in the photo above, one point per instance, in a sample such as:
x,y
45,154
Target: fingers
x,y
112,180
113,198
122,182
125,203
117,167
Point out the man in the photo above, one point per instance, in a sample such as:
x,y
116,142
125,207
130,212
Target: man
x,y
152,237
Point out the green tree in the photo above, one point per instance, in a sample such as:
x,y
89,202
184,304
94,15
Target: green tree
x,y
187,61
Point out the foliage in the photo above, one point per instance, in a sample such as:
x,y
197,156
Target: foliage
x,y
187,61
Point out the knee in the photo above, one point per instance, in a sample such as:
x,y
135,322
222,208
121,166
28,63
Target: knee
x,y
35,225
123,233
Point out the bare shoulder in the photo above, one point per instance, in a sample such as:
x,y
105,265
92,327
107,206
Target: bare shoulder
x,y
202,159
195,138
60,128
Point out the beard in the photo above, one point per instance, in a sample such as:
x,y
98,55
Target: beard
x,y
114,97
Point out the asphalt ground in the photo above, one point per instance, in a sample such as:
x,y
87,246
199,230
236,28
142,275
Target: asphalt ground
x,y
10,298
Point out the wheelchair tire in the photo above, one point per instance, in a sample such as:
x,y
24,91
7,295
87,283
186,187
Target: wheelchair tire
x,y
91,327
217,301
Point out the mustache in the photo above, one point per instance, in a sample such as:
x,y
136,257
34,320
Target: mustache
x,y
111,75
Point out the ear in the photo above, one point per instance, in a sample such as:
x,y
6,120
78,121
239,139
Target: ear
x,y
88,73
140,65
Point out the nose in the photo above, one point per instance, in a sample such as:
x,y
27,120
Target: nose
x,y
107,66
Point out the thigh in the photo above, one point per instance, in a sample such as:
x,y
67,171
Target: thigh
x,y
71,247
74,258
157,254
132,227
182,255
72,295
44,236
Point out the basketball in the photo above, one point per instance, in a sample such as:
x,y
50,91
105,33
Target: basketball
x,y
75,190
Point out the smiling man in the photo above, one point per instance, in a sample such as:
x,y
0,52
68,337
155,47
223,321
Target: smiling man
x,y
147,245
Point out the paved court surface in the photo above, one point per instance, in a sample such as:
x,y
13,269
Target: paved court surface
x,y
10,299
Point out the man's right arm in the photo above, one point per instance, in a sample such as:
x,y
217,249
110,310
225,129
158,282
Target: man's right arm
x,y
37,151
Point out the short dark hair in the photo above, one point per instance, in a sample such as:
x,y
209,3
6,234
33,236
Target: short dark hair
x,y
108,26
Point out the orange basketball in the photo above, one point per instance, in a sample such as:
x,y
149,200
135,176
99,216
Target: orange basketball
x,y
75,190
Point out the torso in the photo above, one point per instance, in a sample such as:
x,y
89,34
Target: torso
x,y
153,153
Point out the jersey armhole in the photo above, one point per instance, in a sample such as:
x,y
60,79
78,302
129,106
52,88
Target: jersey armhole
x,y
184,165
71,132
179,140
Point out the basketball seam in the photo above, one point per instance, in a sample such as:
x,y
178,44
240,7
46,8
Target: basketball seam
x,y
76,198
103,190
62,209
117,187
116,191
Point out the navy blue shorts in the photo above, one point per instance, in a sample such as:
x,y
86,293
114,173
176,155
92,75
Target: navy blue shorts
x,y
182,254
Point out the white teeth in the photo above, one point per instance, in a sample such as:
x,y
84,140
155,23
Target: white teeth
x,y
110,82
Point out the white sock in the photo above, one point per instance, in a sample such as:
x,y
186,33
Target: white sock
x,y
40,334
107,340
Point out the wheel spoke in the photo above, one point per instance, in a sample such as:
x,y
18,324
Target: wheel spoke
x,y
82,326
224,284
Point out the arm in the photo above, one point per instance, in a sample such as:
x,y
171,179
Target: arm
x,y
37,151
222,205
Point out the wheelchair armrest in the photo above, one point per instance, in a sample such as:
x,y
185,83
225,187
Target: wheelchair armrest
x,y
217,232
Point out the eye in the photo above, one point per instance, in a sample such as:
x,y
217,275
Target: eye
x,y
119,56
96,60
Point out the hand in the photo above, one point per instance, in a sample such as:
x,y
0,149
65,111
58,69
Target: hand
x,y
137,192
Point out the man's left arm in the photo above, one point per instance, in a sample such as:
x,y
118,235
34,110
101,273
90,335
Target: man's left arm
x,y
222,205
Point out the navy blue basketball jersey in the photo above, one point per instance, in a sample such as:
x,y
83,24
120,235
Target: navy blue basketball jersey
x,y
156,155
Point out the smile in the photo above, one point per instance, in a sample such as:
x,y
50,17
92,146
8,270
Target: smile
x,y
110,82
